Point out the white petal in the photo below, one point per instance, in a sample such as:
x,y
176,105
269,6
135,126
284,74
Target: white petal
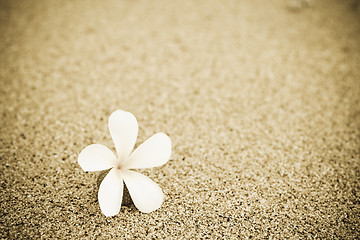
x,y
111,192
123,128
153,152
146,195
96,157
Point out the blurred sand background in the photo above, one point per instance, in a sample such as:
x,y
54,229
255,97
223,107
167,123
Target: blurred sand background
x,y
260,98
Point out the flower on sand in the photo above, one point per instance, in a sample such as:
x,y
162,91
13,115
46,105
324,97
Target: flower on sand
x,y
146,195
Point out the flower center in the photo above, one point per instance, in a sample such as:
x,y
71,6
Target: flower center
x,y
119,166
120,163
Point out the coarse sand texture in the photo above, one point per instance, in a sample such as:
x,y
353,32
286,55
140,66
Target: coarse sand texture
x,y
261,101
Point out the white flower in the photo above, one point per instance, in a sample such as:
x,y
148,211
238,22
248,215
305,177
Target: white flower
x,y
146,195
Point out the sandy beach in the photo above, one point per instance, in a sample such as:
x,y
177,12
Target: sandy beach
x,y
261,100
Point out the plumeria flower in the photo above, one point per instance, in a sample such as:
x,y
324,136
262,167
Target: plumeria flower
x,y
146,195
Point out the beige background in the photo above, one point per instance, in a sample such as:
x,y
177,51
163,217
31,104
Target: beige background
x,y
260,98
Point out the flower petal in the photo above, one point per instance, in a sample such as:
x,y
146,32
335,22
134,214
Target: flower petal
x,y
153,152
111,192
146,195
123,128
96,157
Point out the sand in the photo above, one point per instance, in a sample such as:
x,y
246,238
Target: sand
x,y
260,98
